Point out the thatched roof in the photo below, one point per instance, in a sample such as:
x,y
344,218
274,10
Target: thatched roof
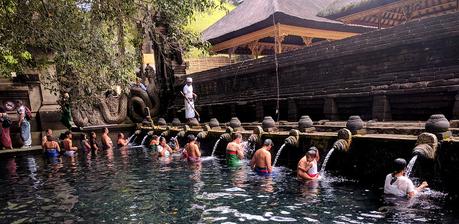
x,y
340,8
254,15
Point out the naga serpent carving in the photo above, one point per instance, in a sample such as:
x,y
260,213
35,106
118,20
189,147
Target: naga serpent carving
x,y
115,109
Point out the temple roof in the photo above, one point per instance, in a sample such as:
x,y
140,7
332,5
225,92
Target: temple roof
x,y
340,8
254,15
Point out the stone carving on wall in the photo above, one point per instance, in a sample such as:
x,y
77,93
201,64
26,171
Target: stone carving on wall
x,y
117,109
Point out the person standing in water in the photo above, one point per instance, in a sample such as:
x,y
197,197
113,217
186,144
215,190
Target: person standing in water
x,y
400,185
192,152
261,160
121,140
68,146
106,140
234,152
93,142
190,97
307,166
164,150
51,147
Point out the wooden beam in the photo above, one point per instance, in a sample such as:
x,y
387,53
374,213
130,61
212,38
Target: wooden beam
x,y
244,39
282,30
316,33
377,10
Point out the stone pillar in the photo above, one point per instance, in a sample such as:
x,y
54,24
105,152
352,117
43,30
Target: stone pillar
x,y
292,110
381,108
233,110
456,108
210,111
259,111
330,109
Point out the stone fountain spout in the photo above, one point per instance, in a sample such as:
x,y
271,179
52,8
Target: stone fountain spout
x,y
255,137
227,136
166,133
293,138
344,140
203,134
183,132
426,145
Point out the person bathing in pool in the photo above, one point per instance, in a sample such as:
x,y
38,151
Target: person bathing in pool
x,y
261,160
400,185
234,152
307,166
191,152
163,149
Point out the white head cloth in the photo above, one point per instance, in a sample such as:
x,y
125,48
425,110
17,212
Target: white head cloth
x,y
189,79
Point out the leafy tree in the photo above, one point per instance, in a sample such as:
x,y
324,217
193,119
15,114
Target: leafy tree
x,y
94,44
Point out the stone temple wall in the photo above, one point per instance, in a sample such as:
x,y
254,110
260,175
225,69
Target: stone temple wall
x,y
406,72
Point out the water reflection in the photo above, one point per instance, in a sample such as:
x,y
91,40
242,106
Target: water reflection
x,y
131,185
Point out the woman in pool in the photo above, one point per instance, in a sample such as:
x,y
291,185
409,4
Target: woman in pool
x,y
164,150
93,142
400,185
85,143
234,152
121,140
51,147
307,166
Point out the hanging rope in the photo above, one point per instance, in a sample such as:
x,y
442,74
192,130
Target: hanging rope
x,y
276,35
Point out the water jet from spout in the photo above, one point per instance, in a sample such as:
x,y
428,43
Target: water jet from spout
x,y
278,154
215,147
410,166
324,165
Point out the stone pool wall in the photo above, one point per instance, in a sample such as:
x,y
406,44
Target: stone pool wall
x,y
406,72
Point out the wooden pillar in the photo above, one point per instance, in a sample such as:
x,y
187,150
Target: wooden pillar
x,y
307,41
292,110
456,107
380,15
210,112
231,52
259,113
381,108
278,39
233,110
330,109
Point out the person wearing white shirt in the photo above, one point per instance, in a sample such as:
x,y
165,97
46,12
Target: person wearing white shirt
x,y
400,185
189,101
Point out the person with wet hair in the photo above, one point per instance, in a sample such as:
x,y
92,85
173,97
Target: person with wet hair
x,y
164,150
51,147
68,145
85,143
234,151
192,152
48,132
154,143
106,140
261,160
398,184
121,142
307,166
93,142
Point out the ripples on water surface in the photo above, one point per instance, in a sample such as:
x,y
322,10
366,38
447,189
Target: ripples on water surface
x,y
131,186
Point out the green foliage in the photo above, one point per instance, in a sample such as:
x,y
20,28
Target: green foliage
x,y
201,21
94,44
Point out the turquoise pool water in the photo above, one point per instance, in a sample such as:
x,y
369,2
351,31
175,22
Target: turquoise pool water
x,y
132,186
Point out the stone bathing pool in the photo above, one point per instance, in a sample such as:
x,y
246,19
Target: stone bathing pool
x,y
130,185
